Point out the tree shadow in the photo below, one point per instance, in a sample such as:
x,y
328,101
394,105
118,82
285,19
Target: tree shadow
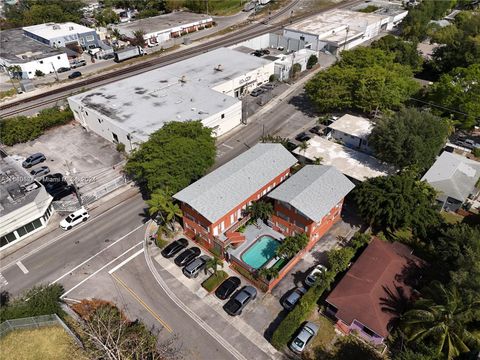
x,y
303,104
145,215
267,334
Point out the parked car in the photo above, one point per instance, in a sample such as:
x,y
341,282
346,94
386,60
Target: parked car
x,y
108,56
174,247
53,181
63,69
257,53
314,274
78,63
227,287
74,218
187,256
257,91
33,159
74,75
236,304
316,130
268,86
292,299
40,171
302,137
467,143
61,192
193,269
306,333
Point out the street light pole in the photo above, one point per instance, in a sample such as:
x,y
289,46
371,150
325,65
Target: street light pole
x,y
67,165
55,70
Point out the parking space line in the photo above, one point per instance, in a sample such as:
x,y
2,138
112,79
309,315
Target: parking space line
x,y
22,267
103,267
3,281
227,146
125,261
141,302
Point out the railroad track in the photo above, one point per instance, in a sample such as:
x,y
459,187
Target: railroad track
x,y
154,63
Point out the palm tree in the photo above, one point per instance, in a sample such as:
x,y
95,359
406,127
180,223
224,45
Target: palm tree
x,y
303,146
441,317
116,34
213,263
269,273
161,204
260,210
317,160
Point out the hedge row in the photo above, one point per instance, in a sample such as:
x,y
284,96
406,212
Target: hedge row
x,y
214,280
21,129
338,262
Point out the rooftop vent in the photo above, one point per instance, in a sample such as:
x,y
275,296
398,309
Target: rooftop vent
x,y
219,67
56,27
183,79
70,28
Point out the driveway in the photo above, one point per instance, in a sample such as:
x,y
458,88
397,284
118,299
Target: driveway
x,y
86,158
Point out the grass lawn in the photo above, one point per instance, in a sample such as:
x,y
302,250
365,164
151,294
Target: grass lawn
x,y
451,218
50,343
214,280
325,335
224,7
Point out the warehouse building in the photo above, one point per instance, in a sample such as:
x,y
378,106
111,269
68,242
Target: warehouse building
x,y
338,30
64,35
162,28
16,49
207,87
25,205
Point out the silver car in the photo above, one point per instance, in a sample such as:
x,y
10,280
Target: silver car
x,y
40,171
306,333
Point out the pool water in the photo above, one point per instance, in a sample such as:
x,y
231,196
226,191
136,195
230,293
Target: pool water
x,y
260,252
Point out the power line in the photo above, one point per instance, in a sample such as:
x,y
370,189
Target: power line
x,y
442,107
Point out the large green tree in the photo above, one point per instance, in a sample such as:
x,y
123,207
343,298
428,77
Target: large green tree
x,y
173,157
396,202
405,52
260,210
365,79
458,94
442,319
409,137
457,256
291,245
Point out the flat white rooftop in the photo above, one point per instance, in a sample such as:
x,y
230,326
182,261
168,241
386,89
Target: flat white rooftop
x,y
54,30
355,164
181,91
162,22
336,20
353,125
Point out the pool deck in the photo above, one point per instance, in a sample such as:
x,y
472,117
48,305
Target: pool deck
x,y
252,233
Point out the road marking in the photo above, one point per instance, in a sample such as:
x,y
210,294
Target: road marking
x,y
227,146
141,302
103,267
98,253
125,261
3,281
54,240
22,267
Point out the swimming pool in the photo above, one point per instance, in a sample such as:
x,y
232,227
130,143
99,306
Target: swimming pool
x,y
260,252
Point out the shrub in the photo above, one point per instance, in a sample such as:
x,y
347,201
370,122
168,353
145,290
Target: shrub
x,y
39,300
214,280
296,68
273,78
39,73
359,240
312,61
8,93
121,147
338,260
161,243
20,129
476,152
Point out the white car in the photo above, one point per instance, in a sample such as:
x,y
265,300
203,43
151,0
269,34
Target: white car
x,y
74,218
306,333
314,274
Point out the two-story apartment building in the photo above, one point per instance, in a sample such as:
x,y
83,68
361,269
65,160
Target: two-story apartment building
x,y
215,205
309,202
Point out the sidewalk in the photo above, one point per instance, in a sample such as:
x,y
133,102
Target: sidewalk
x,y
209,308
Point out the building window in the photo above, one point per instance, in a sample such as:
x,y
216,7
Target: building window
x,y
302,38
223,116
368,331
89,38
115,137
41,61
4,240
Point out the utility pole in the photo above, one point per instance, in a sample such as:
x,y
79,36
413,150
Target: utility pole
x,y
68,164
55,70
346,35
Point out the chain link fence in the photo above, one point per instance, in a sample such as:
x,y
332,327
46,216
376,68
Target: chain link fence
x,y
36,322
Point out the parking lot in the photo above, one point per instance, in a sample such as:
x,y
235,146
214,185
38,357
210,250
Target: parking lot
x,y
83,157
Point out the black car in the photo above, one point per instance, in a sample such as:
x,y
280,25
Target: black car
x,y
108,56
174,248
63,69
236,304
227,287
187,256
74,75
52,178
302,137
63,191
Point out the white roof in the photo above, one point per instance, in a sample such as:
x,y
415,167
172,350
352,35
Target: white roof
x,y
354,164
220,191
181,91
54,30
353,125
326,25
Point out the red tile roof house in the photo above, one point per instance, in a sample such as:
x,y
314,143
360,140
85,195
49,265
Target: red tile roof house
x,y
360,299
213,207
310,202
